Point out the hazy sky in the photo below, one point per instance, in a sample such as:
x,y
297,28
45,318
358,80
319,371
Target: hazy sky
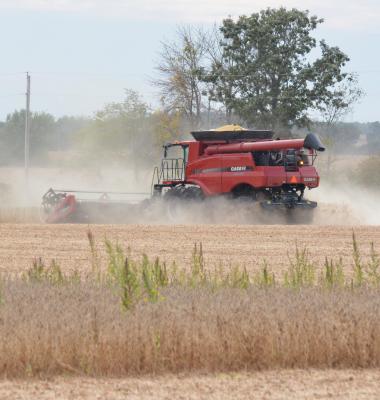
x,y
82,53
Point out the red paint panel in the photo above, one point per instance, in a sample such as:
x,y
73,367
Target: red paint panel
x,y
232,178
208,171
255,146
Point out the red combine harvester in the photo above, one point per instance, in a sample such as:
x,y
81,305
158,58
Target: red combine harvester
x,y
229,161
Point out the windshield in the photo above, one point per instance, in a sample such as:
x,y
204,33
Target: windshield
x,y
283,157
177,151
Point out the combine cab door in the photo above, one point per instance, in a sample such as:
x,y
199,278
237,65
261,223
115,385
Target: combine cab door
x,y
291,167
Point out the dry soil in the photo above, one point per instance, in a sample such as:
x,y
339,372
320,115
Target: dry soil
x,y
279,385
227,244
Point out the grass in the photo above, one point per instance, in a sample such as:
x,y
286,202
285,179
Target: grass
x,y
132,317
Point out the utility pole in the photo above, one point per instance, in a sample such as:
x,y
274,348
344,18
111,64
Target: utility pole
x,y
27,129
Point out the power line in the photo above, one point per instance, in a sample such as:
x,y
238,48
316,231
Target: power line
x,y
11,73
117,76
109,75
113,75
11,95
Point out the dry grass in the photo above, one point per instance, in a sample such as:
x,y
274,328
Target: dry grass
x,y
82,329
141,317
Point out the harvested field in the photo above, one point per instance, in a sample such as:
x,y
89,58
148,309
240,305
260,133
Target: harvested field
x,y
229,244
270,385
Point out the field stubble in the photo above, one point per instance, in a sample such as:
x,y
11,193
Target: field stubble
x,y
269,385
227,244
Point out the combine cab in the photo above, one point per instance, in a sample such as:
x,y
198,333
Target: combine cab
x,y
230,161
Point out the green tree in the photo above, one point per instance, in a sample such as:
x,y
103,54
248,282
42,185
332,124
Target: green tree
x,y
12,134
66,129
120,132
42,135
267,71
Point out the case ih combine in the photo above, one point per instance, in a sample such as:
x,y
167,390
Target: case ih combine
x,y
229,161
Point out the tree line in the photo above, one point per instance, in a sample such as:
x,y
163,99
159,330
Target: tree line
x,y
265,70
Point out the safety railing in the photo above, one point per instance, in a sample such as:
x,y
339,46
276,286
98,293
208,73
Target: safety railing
x,y
172,169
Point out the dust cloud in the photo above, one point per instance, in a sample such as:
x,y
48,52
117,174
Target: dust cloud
x,y
338,204
18,192
346,204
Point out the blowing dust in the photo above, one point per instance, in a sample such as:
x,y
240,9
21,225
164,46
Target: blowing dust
x,y
346,205
342,204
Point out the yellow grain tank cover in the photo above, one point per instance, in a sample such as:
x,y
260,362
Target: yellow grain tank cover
x,y
230,128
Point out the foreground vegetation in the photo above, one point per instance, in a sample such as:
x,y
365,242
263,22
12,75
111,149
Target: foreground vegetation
x,y
134,317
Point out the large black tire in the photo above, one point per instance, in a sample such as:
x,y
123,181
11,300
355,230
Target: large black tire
x,y
179,201
244,193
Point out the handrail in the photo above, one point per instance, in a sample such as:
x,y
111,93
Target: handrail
x,y
172,169
155,174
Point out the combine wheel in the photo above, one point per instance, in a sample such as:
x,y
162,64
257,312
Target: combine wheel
x,y
244,192
179,201
192,193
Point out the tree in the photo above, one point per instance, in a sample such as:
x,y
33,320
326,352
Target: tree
x,y
267,68
121,123
373,136
12,137
339,102
220,85
66,129
41,135
180,68
120,132
167,127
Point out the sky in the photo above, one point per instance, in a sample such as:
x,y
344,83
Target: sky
x,y
82,54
